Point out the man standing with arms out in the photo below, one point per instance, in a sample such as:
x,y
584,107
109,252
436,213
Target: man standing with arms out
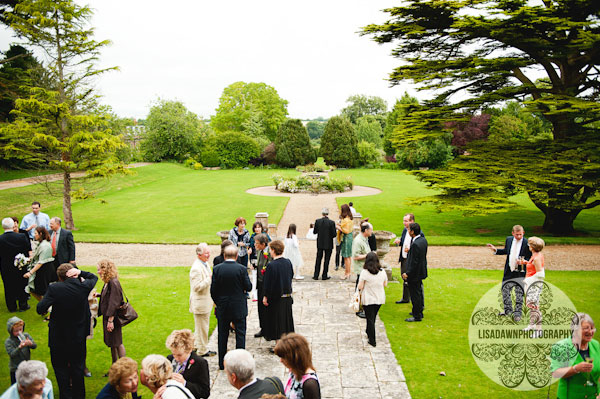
x,y
63,245
325,230
200,301
34,219
516,246
68,327
416,270
228,289
11,244
263,257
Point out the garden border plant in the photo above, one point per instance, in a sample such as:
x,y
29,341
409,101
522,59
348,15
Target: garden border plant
x,y
312,184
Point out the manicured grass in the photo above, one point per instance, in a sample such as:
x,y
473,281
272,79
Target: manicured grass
x,y
452,228
161,203
162,308
440,341
21,174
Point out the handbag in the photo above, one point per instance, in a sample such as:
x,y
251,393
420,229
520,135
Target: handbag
x,y
355,301
126,313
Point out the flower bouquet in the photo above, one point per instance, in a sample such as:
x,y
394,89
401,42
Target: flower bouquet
x,y
21,261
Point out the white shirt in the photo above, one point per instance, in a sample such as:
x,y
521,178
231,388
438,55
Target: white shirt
x,y
515,250
406,244
173,392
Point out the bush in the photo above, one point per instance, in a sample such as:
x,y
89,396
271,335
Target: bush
x,y
430,153
269,154
229,150
210,157
367,153
292,145
339,143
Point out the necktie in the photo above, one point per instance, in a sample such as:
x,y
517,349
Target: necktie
x,y
54,244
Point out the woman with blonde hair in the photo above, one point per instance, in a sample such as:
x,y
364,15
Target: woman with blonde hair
x,y
122,380
295,354
157,376
533,282
344,237
111,299
189,369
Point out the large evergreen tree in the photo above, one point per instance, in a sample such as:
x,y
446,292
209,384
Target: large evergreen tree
x,y
491,51
293,145
339,143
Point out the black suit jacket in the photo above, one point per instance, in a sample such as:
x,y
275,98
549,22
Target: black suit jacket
x,y
65,248
70,317
258,389
525,252
196,376
325,230
11,244
228,288
402,236
416,261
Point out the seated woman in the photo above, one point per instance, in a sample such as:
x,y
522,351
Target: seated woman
x,y
157,376
190,369
32,382
122,380
302,383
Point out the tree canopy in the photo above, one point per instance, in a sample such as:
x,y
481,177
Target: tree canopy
x,y
242,101
339,143
474,54
361,105
293,145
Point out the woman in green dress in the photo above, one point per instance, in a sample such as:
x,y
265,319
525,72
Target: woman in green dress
x,y
42,265
345,237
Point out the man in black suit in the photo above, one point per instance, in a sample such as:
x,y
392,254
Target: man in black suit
x,y
11,244
63,245
416,270
515,247
228,289
69,325
239,366
325,230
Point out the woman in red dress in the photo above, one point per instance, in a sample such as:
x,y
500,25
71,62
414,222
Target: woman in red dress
x,y
533,285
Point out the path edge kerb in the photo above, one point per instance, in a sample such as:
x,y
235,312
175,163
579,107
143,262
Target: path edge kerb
x,y
357,191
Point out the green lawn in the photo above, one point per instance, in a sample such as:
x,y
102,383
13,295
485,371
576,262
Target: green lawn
x,y
452,228
21,174
161,203
440,342
162,308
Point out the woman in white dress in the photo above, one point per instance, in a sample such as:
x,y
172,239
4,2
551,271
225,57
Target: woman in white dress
x,y
292,251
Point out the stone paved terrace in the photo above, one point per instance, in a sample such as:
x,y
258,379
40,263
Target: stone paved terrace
x,y
347,366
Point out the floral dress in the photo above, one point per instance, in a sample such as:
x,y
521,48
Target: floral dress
x,y
294,388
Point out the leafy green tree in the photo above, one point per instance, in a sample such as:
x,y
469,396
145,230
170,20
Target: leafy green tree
x,y
172,132
240,101
292,145
432,153
367,153
6,7
231,149
63,127
487,51
339,143
394,118
368,129
315,128
514,122
361,105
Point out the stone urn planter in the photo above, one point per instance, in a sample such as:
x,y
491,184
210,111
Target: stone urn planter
x,y
224,234
383,239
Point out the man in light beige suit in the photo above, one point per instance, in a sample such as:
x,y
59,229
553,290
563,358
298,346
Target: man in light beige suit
x,y
200,301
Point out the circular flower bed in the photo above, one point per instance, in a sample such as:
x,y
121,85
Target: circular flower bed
x,y
312,184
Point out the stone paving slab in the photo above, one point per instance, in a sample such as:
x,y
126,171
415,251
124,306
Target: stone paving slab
x,y
348,368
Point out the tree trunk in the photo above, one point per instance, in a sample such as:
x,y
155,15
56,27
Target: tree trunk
x,y
68,214
559,222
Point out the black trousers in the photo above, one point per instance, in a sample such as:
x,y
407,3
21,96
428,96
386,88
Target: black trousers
x,y
371,314
338,249
68,362
223,330
508,286
14,289
320,253
416,295
262,309
405,290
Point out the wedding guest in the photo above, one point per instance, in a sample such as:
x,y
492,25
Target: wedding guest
x,y
189,369
311,235
239,367
344,237
18,345
16,228
292,251
201,303
262,262
111,299
220,258
32,382
576,360
534,276
42,272
373,281
12,244
278,293
240,237
257,228
122,380
34,219
294,351
157,374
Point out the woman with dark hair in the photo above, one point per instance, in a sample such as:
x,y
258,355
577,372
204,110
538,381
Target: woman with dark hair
x,y
372,283
110,301
344,237
292,251
257,228
278,293
302,383
41,273
240,237
220,258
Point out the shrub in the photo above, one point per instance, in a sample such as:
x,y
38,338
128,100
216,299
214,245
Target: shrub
x,y
339,143
229,150
269,154
429,153
367,153
292,145
210,157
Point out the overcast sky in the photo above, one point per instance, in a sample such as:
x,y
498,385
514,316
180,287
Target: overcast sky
x,y
309,51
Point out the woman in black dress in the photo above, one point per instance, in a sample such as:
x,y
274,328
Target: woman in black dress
x,y
278,293
111,299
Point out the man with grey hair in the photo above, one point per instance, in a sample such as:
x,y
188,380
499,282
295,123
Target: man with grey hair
x,y
63,245
325,231
239,366
228,288
32,382
200,301
12,244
